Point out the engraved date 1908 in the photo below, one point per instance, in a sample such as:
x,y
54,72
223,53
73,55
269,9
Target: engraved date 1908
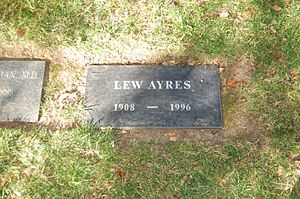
x,y
124,107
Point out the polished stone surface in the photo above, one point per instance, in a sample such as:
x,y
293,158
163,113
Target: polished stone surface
x,y
21,85
154,96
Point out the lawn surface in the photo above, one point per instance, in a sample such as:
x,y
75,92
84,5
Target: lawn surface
x,y
83,162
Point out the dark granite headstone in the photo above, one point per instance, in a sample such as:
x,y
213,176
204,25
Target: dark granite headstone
x,y
154,96
20,90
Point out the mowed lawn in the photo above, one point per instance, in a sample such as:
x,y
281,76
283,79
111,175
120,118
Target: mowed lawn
x,y
88,163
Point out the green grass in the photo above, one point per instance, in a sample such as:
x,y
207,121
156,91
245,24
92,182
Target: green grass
x,y
116,27
84,163
274,44
65,164
88,163
236,170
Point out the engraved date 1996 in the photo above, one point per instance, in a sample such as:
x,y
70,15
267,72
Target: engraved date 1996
x,y
180,107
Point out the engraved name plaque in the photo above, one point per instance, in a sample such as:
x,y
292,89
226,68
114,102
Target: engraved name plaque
x,y
154,96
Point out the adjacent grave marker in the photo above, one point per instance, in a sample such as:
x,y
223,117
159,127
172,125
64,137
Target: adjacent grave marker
x,y
154,96
20,90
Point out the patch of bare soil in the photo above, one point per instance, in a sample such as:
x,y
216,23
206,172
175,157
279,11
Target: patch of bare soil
x,y
67,70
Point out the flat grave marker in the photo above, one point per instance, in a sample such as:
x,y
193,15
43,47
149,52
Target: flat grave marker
x,y
144,96
20,90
